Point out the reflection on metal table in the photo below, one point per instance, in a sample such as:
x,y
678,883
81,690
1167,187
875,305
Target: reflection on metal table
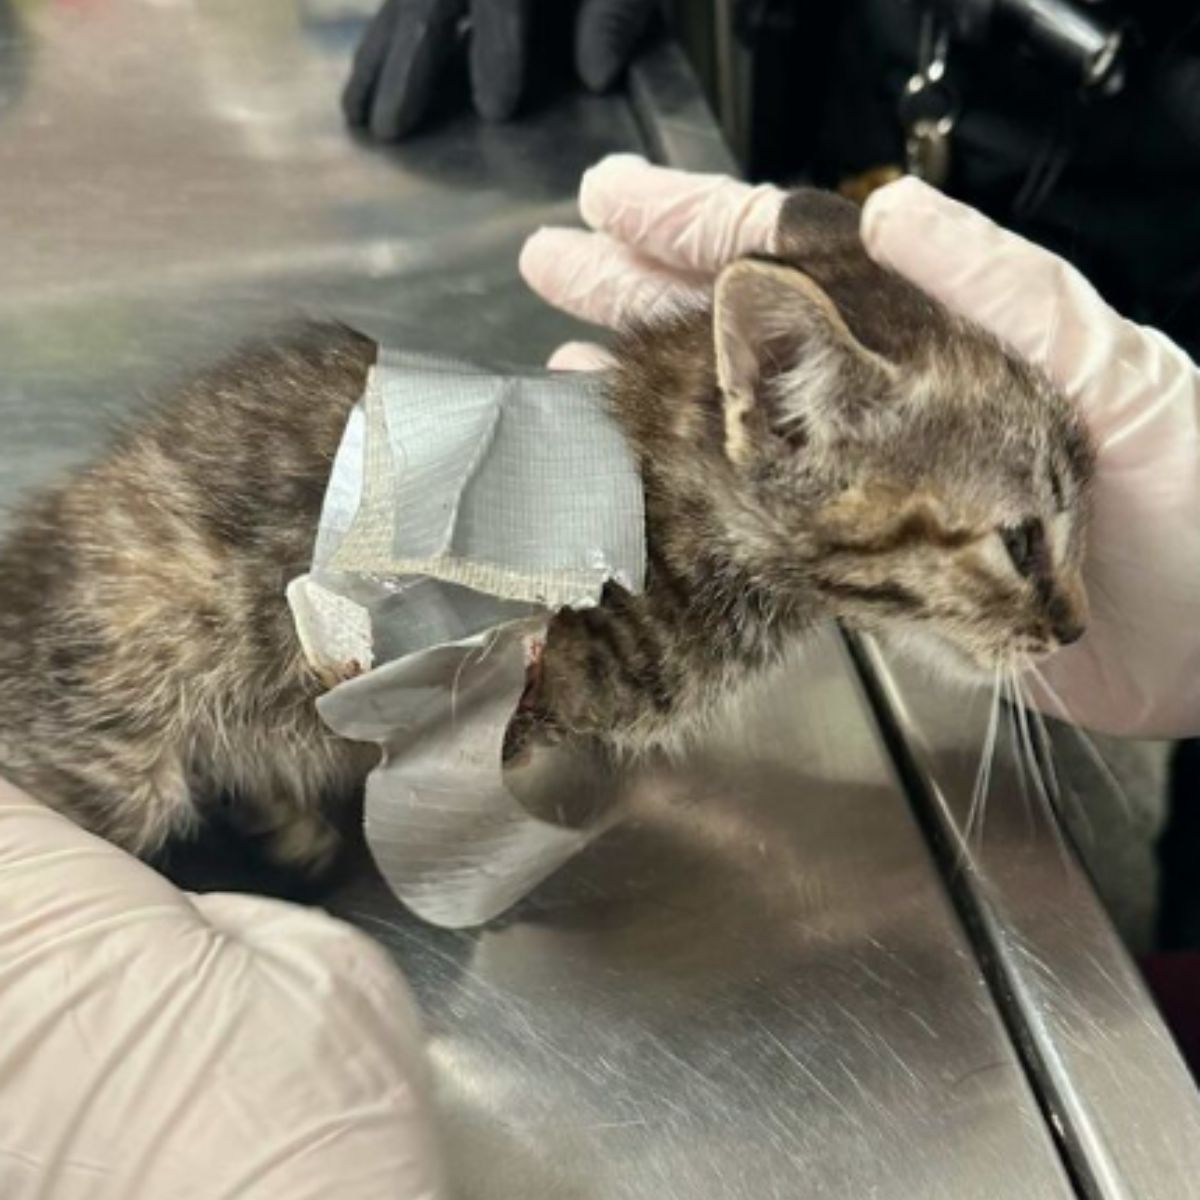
x,y
772,979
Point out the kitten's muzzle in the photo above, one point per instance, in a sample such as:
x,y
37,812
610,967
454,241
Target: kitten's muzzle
x,y
1067,617
1066,633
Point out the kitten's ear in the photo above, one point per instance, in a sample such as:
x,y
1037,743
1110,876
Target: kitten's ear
x,y
769,320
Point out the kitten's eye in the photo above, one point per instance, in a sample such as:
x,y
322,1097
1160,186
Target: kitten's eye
x,y
1024,544
1056,490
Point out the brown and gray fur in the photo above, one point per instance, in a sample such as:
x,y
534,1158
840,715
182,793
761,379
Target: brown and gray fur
x,y
825,441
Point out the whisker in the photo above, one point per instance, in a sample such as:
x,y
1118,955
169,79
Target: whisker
x,y
993,734
1039,726
1089,747
983,775
1038,723
1044,749
1037,776
1010,706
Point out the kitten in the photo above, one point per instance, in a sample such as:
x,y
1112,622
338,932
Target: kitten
x,y
825,442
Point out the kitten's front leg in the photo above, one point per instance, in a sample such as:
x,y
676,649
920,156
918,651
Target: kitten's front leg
x,y
612,672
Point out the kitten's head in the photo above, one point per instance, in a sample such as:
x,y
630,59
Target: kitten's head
x,y
929,485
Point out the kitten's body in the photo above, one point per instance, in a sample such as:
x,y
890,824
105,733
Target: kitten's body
x,y
147,655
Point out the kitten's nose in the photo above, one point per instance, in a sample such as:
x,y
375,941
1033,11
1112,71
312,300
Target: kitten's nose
x,y
1066,621
1068,632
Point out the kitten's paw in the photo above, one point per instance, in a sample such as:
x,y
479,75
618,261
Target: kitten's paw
x,y
309,844
529,724
526,730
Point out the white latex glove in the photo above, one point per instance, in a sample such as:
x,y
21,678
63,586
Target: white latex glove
x,y
160,1046
658,238
660,235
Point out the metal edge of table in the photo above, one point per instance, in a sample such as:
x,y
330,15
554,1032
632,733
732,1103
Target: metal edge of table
x,y
1115,1090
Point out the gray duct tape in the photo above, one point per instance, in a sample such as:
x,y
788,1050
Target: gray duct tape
x,y
463,508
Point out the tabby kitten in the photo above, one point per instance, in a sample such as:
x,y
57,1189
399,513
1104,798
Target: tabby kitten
x,y
826,441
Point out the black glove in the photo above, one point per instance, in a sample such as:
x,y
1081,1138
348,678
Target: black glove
x,y
405,50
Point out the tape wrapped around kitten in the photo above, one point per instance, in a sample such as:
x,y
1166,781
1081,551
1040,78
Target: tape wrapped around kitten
x,y
465,506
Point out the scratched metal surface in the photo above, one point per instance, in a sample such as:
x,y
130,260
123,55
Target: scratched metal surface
x,y
1105,1065
756,987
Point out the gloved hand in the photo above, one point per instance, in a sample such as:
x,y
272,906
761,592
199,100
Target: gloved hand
x,y
158,1044
405,48
658,236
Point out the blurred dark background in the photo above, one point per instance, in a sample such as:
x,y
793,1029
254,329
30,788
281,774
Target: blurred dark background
x,y
1073,122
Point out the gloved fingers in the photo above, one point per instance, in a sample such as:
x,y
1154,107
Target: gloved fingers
x,y
423,35
368,61
1028,297
597,279
580,356
606,34
499,47
681,218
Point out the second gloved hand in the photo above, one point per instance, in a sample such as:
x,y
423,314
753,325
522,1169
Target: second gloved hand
x,y
160,1044
403,55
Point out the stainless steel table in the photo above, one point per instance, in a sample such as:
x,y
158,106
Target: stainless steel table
x,y
782,975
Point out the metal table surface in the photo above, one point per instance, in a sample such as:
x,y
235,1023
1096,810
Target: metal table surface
x,y
759,984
